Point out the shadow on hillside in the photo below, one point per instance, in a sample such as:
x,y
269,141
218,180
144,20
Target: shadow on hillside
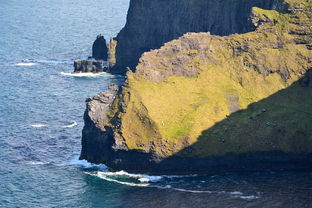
x,y
272,134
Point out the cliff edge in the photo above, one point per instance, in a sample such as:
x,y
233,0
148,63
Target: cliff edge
x,y
205,103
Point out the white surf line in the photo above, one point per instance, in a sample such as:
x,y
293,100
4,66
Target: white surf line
x,y
88,74
37,163
71,125
104,176
141,177
85,164
25,64
99,175
38,125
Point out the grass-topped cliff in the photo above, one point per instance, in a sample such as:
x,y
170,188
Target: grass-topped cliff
x,y
151,23
204,96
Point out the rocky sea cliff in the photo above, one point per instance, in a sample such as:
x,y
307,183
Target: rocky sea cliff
x,y
210,101
151,23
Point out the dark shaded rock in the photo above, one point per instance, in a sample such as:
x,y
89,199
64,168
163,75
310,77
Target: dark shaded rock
x,y
151,23
88,66
99,48
94,142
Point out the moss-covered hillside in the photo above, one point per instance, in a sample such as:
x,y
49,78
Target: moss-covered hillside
x,y
202,96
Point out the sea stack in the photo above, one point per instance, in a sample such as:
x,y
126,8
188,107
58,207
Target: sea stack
x,y
99,48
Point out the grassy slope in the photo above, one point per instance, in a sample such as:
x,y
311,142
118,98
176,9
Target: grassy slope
x,y
166,115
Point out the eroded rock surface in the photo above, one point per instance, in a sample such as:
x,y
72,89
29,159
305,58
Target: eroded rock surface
x,y
85,66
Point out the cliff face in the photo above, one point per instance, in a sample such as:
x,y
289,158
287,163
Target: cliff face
x,y
151,23
205,103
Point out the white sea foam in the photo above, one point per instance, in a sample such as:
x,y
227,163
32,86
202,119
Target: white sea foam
x,y
36,163
147,181
144,179
193,191
236,193
141,177
251,197
53,61
104,176
89,74
71,125
25,64
39,125
86,164
32,62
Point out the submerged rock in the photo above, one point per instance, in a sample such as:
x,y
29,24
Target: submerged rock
x,y
206,104
99,48
88,66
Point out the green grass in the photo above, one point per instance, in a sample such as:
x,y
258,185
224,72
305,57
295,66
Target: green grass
x,y
164,113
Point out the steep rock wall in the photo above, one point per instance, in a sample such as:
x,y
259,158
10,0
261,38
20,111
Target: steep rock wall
x,y
151,23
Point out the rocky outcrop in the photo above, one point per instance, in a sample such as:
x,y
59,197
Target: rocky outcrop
x,y
112,53
206,103
151,23
94,142
88,66
99,48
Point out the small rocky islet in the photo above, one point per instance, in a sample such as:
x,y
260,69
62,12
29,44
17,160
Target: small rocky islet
x,y
211,86
100,60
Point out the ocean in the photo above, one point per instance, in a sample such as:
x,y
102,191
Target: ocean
x,y
41,119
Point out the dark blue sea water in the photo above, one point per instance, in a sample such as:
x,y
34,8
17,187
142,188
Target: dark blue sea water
x,y
41,118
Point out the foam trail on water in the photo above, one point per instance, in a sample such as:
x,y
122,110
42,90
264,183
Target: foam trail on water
x,y
141,177
185,190
38,125
71,125
32,62
89,74
144,179
53,61
37,163
251,197
85,164
105,177
147,181
25,64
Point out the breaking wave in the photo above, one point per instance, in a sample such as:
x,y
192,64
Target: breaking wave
x,y
32,62
25,64
142,180
71,125
39,125
87,165
89,74
104,176
37,163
